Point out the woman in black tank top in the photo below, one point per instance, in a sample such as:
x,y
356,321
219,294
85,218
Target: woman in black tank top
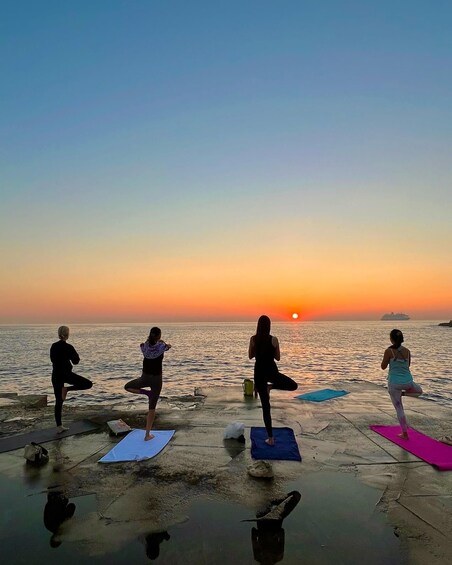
x,y
265,348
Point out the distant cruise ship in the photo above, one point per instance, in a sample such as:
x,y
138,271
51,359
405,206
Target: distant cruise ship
x,y
393,316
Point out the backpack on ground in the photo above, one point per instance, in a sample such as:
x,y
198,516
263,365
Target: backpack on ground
x,y
35,453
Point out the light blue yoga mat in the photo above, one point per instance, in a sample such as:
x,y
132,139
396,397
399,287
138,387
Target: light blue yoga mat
x,y
134,448
321,395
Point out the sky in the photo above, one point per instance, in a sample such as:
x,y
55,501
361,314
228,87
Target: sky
x,y
216,160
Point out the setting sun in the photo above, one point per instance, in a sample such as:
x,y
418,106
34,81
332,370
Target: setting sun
x,y
295,316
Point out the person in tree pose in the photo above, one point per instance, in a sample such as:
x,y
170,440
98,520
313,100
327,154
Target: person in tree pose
x,y
153,350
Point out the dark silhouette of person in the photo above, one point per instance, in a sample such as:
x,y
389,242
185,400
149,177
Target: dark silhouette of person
x,y
57,510
264,347
153,542
268,543
63,357
268,537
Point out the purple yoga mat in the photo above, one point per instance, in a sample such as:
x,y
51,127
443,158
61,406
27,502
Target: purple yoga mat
x,y
434,452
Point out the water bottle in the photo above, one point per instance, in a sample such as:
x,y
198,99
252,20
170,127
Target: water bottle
x,y
248,387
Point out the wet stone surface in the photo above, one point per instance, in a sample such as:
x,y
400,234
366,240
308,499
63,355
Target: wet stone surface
x,y
190,503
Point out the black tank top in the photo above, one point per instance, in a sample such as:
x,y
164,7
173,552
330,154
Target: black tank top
x,y
265,357
153,366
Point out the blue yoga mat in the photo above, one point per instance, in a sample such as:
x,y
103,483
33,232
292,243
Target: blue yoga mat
x,y
285,448
321,395
134,448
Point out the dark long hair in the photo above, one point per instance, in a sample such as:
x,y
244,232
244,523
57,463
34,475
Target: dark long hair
x,y
263,328
154,335
397,337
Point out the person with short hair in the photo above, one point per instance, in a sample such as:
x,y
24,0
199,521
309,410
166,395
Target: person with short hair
x,y
153,350
63,356
400,379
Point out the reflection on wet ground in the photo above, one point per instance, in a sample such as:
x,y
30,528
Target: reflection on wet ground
x,y
57,510
334,521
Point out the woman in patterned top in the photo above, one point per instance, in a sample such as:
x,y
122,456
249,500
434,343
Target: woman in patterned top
x,y
153,350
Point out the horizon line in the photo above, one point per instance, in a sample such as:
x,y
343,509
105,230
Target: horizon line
x,y
222,321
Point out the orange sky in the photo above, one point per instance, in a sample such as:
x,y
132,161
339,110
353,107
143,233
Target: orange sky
x,y
334,281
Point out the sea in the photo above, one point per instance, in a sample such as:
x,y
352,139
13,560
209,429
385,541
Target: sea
x,y
315,354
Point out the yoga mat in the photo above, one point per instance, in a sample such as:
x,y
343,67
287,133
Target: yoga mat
x,y
134,448
285,448
321,395
42,436
434,452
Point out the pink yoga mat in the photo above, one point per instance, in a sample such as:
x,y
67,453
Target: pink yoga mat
x,y
434,452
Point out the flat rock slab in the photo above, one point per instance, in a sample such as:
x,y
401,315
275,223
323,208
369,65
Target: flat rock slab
x,y
33,400
434,510
42,436
311,426
4,402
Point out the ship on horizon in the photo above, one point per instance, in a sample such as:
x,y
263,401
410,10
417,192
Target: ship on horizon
x,y
397,316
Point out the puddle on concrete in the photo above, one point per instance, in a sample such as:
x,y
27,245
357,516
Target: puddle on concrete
x,y
335,522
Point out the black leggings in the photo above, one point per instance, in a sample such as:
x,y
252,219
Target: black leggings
x,y
278,381
77,382
152,381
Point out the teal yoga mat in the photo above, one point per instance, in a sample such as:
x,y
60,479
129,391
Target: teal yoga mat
x,y
42,436
321,395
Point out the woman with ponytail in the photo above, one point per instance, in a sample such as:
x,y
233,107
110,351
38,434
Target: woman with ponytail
x,y
265,348
153,350
400,379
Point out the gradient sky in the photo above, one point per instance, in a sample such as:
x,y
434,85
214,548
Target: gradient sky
x,y
207,160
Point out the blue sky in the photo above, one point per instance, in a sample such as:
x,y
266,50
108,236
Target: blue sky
x,y
184,121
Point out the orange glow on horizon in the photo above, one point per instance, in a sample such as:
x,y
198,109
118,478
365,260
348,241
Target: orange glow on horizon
x,y
321,284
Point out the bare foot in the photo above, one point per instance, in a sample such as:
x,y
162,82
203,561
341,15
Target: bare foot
x,y
270,441
147,437
61,429
403,435
64,392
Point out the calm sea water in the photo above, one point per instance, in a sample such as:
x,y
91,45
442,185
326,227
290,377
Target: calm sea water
x,y
205,354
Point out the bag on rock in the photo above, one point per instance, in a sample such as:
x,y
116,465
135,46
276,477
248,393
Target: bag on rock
x,y
234,430
35,453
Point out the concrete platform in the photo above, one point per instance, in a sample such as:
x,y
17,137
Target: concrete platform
x,y
131,500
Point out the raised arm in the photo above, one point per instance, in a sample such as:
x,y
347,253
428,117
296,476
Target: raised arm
x,y
386,357
153,351
251,349
406,355
75,359
275,344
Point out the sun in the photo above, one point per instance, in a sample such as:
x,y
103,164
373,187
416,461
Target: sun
x,y
295,316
